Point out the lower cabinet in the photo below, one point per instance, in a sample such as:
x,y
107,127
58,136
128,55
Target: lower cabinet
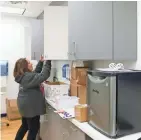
x,y
73,133
50,126
45,124
55,128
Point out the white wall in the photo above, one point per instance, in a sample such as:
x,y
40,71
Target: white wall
x,y
33,31
18,34
59,65
12,42
15,42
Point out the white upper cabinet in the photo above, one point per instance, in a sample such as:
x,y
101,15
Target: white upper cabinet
x,y
91,30
56,32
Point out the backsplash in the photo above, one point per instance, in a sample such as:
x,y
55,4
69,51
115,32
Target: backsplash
x,y
59,65
95,64
105,64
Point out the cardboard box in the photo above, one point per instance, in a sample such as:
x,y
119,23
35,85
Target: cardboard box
x,y
79,74
73,88
79,63
12,109
81,113
82,76
73,73
82,94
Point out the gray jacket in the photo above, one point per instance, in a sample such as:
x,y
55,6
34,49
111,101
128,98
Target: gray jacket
x,y
31,101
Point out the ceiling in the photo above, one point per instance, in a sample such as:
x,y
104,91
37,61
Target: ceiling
x,y
58,3
32,8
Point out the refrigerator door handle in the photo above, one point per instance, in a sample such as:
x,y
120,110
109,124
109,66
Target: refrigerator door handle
x,y
97,79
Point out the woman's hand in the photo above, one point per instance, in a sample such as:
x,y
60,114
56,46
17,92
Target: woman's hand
x,y
42,58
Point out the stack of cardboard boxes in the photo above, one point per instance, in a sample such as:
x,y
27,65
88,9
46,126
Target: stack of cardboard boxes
x,y
12,109
78,87
78,83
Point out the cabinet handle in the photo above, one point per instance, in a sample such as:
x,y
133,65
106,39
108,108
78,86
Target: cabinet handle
x,y
74,52
45,117
66,134
34,56
46,57
73,129
74,48
69,53
49,107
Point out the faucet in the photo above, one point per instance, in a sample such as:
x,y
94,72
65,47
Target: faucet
x,y
55,79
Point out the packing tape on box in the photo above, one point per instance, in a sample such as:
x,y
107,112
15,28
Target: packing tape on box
x,y
77,85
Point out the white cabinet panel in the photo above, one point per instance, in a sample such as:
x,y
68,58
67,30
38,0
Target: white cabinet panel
x,y
56,33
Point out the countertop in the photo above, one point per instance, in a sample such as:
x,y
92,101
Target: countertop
x,y
93,133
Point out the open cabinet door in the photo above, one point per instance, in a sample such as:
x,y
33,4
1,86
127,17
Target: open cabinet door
x,y
56,32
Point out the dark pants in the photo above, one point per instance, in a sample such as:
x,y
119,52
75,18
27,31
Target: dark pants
x,y
31,125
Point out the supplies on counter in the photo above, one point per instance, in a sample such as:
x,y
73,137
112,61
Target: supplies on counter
x,y
114,67
66,102
53,89
78,82
66,114
81,113
66,106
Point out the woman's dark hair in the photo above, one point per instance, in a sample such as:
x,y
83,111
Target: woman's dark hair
x,y
21,67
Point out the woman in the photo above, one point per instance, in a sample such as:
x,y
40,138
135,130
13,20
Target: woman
x,y
31,102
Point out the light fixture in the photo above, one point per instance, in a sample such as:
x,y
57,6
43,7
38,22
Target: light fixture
x,y
18,2
12,10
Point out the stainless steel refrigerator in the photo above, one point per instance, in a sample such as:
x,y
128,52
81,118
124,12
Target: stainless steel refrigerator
x,y
114,99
